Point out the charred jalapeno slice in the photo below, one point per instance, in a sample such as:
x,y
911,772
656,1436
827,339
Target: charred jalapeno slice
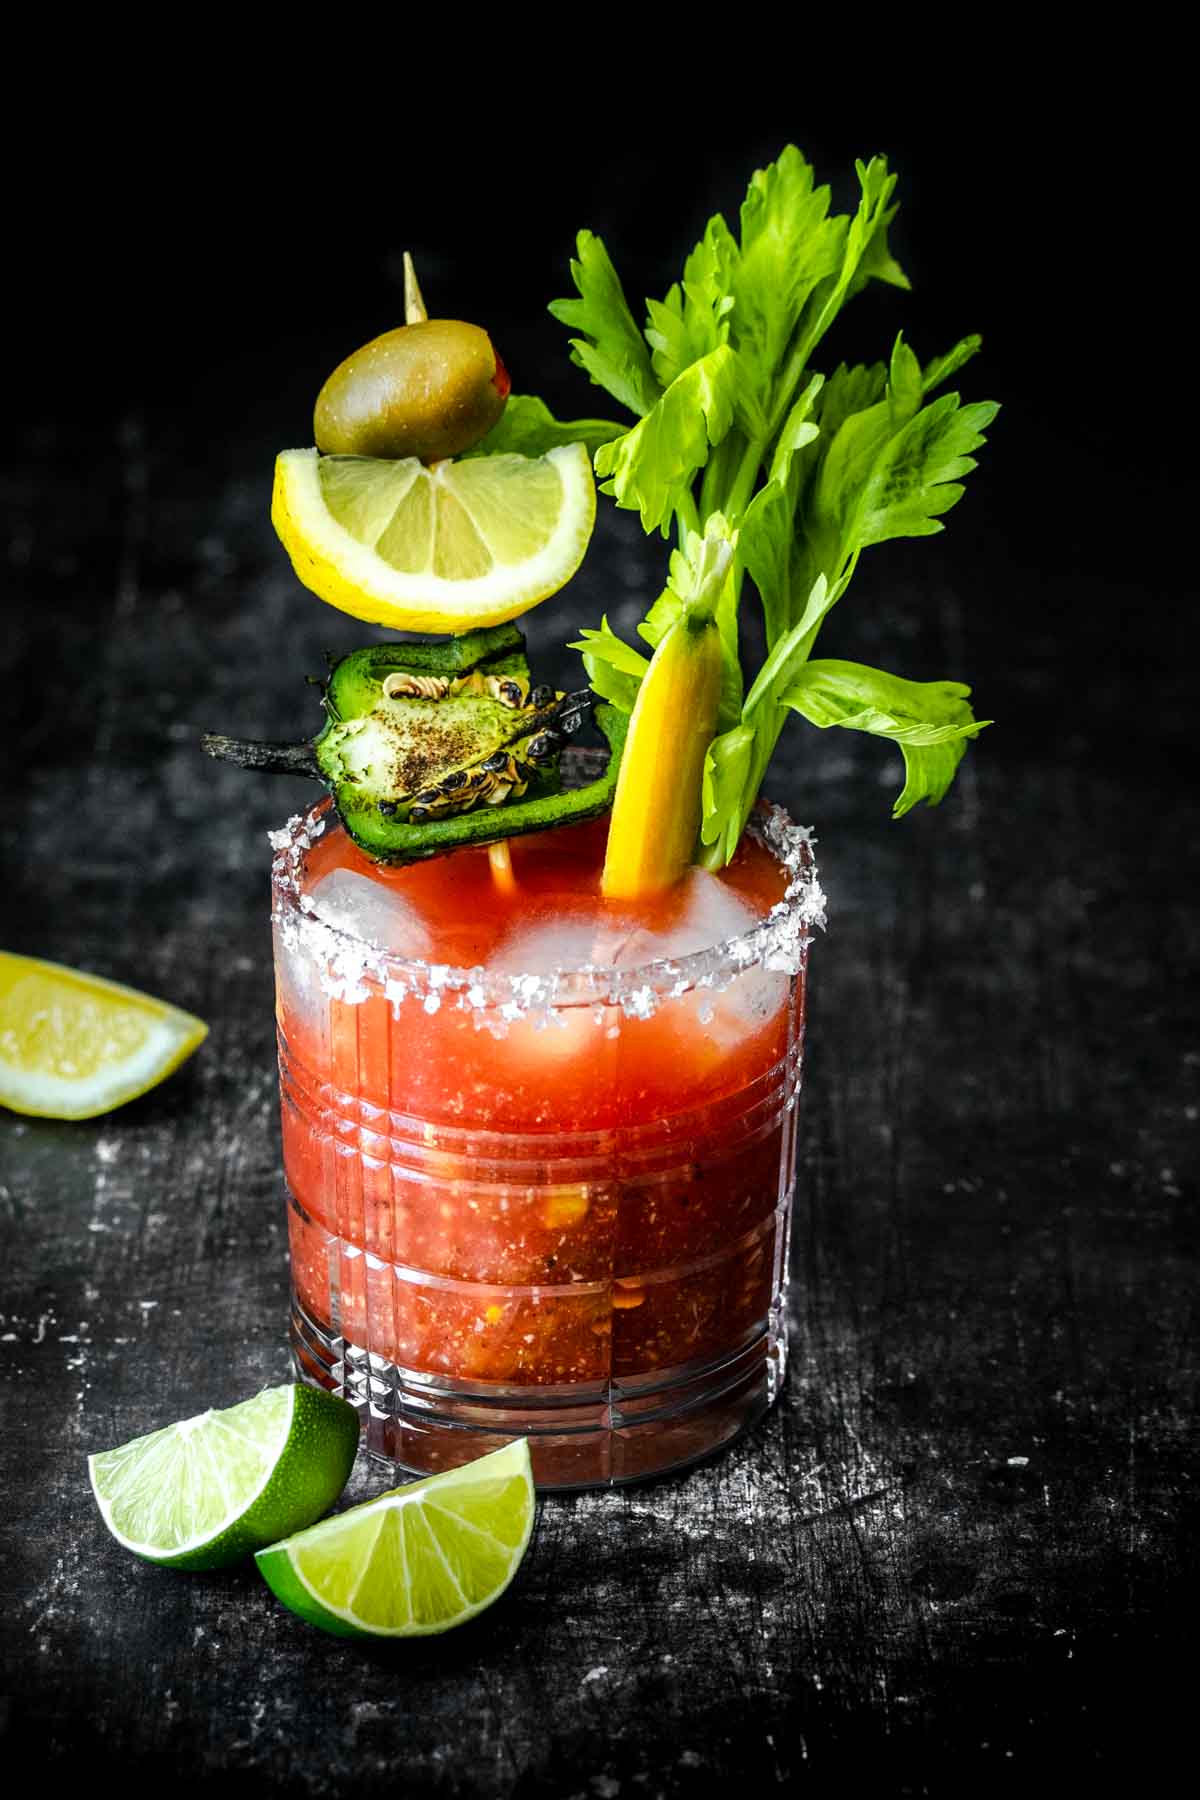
x,y
428,745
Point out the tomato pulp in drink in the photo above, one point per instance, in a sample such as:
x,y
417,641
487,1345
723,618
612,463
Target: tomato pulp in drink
x,y
564,1216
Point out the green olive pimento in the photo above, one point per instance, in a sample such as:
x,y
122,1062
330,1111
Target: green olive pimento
x,y
431,389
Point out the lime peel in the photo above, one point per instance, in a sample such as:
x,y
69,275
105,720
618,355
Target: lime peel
x,y
206,1491
415,1561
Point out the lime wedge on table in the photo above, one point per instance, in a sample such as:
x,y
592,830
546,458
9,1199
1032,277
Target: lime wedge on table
x,y
418,1559
74,1045
441,548
206,1491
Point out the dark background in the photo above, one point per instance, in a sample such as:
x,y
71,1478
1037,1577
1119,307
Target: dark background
x,y
206,282
962,1548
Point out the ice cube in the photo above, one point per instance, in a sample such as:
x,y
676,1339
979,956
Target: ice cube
x,y
366,909
569,932
560,933
711,914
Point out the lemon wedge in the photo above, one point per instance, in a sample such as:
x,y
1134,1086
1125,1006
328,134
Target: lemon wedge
x,y
74,1045
443,548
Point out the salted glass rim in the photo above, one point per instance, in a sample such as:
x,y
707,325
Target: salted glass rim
x,y
353,968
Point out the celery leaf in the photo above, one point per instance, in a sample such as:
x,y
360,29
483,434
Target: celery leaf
x,y
768,530
726,773
862,258
887,470
789,247
527,427
652,466
614,668
694,317
930,720
610,346
942,367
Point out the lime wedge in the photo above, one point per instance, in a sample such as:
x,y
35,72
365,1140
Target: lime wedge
x,y
417,1560
75,1045
446,547
206,1491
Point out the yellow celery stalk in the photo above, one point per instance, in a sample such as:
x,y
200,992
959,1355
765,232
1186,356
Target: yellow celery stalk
x,y
656,811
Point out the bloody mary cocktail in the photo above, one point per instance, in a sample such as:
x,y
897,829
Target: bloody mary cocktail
x,y
541,1019
539,1147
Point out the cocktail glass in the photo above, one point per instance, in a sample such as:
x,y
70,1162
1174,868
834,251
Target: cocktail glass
x,y
547,1202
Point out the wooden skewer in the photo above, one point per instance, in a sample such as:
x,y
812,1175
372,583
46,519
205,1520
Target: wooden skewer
x,y
414,304
499,854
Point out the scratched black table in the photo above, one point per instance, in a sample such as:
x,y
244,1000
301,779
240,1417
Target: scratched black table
x,y
957,1554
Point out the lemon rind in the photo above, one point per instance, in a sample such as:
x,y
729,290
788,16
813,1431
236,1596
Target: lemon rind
x,y
350,576
37,1094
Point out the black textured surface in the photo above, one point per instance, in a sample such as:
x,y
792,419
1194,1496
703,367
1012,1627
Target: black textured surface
x,y
958,1553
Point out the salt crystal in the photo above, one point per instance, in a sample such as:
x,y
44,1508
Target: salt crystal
x,y
580,962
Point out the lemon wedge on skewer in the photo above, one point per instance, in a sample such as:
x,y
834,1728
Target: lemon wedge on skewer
x,y
440,548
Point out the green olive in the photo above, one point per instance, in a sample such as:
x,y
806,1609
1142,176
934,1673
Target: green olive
x,y
430,390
